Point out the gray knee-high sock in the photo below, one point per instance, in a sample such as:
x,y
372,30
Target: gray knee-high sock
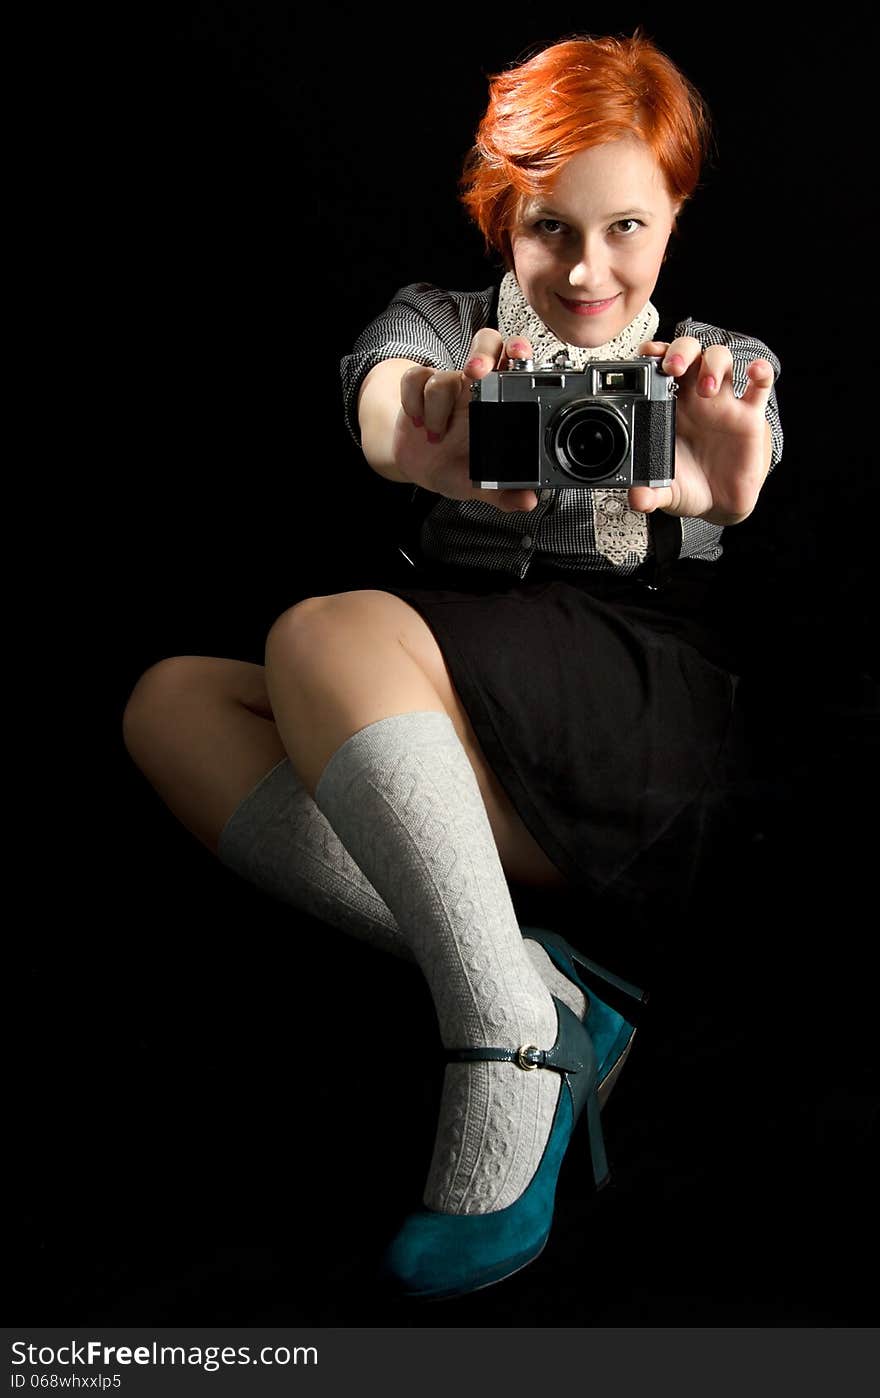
x,y
278,840
404,799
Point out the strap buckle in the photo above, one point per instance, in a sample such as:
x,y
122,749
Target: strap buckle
x,y
526,1057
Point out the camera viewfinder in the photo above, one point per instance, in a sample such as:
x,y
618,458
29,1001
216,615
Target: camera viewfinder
x,y
622,380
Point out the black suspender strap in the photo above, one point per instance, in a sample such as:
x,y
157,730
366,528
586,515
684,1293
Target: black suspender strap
x,y
665,533
665,530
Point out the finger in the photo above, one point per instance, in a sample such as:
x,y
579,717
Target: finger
x,y
486,349
412,393
715,366
652,347
440,396
681,354
646,499
428,396
762,376
514,500
517,347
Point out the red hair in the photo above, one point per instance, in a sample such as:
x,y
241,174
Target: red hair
x,y
576,94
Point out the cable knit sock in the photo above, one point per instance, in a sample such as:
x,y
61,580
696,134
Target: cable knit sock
x,y
403,798
277,839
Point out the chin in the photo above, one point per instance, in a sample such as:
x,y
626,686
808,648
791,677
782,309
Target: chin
x,y
589,339
587,334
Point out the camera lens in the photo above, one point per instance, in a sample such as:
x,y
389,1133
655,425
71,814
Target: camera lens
x,y
590,442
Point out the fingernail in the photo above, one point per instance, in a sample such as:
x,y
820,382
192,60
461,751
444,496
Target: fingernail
x,y
674,364
433,436
518,349
709,383
418,422
475,363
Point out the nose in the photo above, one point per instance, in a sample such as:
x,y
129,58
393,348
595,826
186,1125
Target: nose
x,y
589,272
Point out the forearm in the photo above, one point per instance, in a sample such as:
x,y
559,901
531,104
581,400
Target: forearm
x,y
378,409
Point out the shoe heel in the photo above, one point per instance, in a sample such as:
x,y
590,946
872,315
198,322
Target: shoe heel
x,y
630,1000
601,1172
625,987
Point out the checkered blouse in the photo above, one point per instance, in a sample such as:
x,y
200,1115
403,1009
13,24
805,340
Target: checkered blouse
x,y
435,327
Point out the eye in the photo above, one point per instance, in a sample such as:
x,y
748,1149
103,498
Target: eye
x,y
542,225
553,226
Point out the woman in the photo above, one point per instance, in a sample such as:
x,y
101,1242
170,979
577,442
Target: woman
x,y
549,704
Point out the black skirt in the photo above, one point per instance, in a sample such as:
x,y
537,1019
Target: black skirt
x,y
607,711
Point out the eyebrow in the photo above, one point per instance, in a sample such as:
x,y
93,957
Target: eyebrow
x,y
622,213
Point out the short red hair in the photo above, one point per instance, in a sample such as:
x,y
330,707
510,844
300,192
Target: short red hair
x,y
578,93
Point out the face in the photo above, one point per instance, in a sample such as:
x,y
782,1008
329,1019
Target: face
x,y
600,233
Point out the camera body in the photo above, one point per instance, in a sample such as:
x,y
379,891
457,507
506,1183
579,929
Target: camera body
x,y
609,425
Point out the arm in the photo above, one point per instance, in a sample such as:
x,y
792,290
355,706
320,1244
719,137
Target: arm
x,y
421,325
406,390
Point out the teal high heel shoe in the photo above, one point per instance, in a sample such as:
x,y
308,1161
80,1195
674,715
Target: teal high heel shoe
x,y
436,1255
611,1031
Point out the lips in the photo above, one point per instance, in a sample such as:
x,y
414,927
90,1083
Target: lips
x,y
585,305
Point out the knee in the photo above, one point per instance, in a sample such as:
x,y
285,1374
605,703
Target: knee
x,y
300,616
298,629
155,697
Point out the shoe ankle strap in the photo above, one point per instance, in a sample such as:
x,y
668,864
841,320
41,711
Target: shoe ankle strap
x,y
527,1056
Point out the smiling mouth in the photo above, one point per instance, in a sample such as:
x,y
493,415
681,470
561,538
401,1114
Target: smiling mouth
x,y
603,301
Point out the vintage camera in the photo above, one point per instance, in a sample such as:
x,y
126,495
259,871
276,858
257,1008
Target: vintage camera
x,y
611,424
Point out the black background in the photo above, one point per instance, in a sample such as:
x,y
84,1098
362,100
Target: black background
x,y
219,1105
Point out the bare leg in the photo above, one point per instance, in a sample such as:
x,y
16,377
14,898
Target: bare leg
x,y
201,731
336,664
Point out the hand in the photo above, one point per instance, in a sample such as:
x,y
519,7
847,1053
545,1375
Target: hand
x,y
722,443
430,441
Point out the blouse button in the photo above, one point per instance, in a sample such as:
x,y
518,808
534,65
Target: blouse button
x,y
527,541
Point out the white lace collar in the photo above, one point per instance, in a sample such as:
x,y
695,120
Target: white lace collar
x,y
516,317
